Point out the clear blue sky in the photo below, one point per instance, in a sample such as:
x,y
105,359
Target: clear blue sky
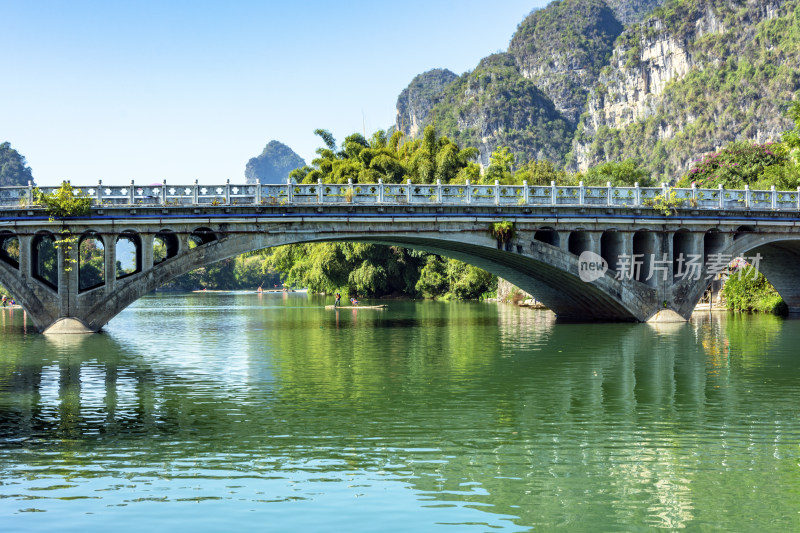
x,y
182,90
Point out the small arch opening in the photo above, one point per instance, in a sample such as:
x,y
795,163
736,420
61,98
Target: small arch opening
x,y
91,262
612,248
713,243
165,246
644,251
129,254
579,242
548,236
201,236
9,248
741,231
44,258
686,258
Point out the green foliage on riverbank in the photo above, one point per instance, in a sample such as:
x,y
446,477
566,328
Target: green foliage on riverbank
x,y
244,272
749,290
371,270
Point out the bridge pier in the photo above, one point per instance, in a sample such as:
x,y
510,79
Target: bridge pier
x,y
110,264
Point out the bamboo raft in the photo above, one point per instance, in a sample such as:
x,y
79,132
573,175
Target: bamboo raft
x,y
384,306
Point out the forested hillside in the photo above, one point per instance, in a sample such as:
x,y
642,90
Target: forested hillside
x,y
14,170
590,81
693,77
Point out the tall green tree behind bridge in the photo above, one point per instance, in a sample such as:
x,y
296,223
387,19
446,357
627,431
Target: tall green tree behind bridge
x,y
13,167
370,269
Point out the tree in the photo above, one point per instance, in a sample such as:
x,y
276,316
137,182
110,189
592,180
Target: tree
x,y
540,173
738,164
791,138
501,166
64,201
13,167
620,174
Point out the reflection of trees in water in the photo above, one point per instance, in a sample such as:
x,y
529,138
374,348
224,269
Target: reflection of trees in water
x,y
465,403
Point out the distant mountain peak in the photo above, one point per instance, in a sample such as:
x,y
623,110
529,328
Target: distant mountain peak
x,y
273,164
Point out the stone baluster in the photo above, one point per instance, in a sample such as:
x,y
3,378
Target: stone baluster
x,y
525,193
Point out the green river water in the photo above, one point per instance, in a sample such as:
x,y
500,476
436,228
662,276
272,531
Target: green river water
x,y
246,412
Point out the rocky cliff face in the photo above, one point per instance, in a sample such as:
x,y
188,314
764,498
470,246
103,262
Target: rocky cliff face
x,y
562,48
699,71
633,11
495,105
416,101
556,55
688,78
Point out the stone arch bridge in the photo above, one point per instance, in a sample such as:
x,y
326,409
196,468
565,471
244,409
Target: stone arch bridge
x,y
585,255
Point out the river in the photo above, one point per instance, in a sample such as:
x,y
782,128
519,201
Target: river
x,y
245,412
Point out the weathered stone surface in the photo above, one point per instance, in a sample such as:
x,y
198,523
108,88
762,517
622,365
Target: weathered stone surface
x,y
415,102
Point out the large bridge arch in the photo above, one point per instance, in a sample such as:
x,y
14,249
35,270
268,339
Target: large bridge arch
x,y
779,262
548,272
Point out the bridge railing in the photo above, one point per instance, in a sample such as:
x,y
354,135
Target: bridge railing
x,y
290,193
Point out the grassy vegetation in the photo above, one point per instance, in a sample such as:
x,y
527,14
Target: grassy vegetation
x,y
749,290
